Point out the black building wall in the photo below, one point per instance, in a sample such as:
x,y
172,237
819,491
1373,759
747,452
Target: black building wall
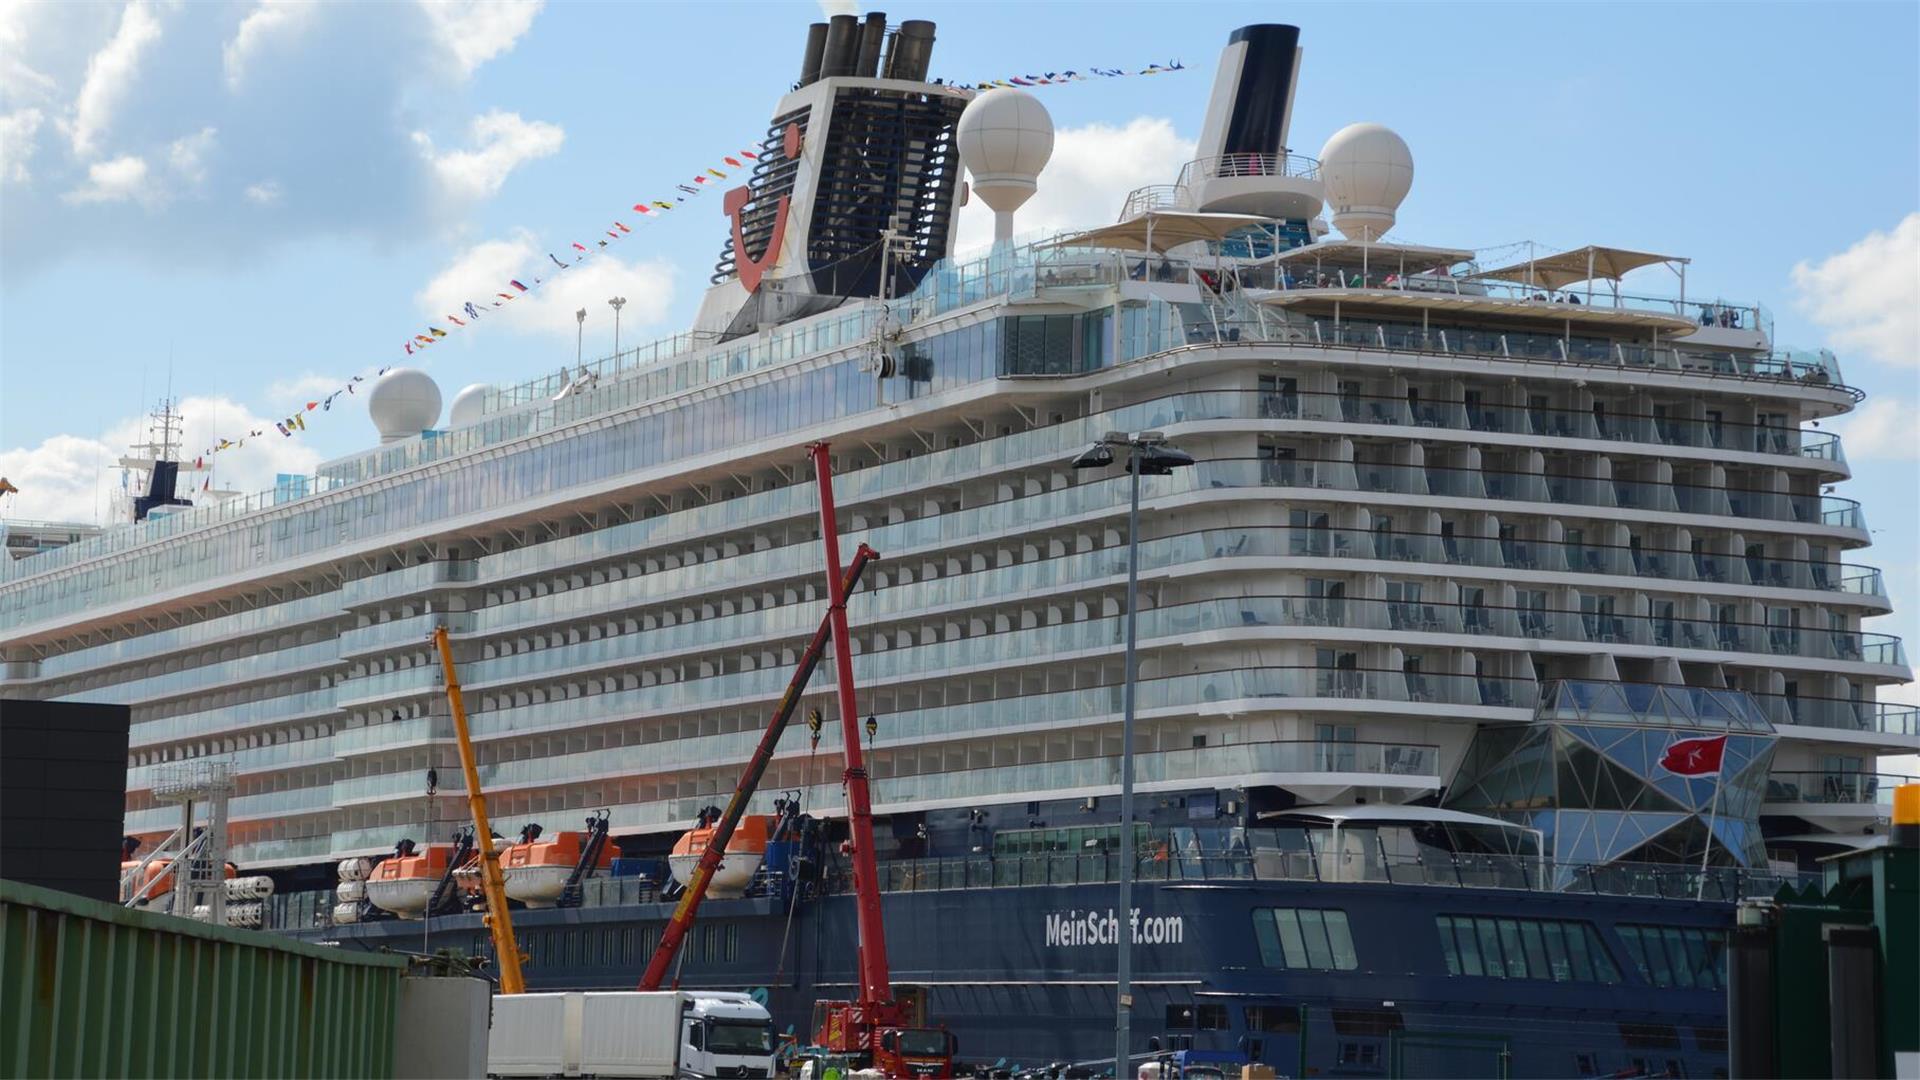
x,y
63,791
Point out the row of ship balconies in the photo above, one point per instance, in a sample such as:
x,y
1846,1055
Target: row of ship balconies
x,y
673,628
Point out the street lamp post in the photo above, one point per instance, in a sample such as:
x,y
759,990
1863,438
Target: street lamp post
x,y
616,303
1147,454
579,336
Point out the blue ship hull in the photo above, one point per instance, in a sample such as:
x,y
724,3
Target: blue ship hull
x,y
1024,974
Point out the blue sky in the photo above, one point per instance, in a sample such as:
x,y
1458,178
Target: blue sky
x,y
255,196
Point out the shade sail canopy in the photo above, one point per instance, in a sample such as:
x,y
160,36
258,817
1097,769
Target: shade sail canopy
x,y
1590,263
1404,258
1159,230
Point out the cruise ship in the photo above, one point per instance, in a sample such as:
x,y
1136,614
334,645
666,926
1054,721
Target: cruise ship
x,y
1468,543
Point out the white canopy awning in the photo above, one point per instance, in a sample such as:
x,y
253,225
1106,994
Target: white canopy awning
x,y
1404,258
1564,268
1159,230
1381,813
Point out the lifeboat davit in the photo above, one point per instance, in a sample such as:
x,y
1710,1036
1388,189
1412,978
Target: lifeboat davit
x,y
404,883
537,868
130,888
745,850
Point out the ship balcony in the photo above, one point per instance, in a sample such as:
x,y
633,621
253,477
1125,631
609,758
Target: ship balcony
x,y
225,721
1280,186
398,633
1832,795
408,581
1381,293
1517,486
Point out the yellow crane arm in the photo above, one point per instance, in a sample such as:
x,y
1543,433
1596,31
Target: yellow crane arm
x,y
498,920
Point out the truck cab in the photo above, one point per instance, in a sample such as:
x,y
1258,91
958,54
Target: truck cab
x,y
915,1052
724,1034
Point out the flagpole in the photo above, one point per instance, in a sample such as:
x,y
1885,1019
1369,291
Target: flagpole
x,y
1700,893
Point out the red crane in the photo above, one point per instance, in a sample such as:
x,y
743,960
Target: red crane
x,y
871,1028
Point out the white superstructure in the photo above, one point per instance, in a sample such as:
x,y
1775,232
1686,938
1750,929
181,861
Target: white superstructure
x,y
1428,487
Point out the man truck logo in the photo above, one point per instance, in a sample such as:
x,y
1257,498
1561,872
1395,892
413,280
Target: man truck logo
x,y
752,270
1080,928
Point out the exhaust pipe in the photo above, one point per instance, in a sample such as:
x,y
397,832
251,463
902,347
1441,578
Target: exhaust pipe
x,y
843,38
816,47
912,52
872,36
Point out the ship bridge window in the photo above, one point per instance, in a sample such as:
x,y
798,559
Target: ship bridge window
x,y
1308,939
1278,1019
1677,956
1499,948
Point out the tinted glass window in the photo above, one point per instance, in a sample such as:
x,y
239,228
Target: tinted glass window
x,y
1309,939
1502,948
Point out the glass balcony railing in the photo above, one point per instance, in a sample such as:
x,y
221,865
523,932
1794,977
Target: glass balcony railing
x,y
1862,788
1597,424
380,637
1882,717
259,667
406,581
234,719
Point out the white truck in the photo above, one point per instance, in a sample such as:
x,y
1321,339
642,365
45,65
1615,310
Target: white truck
x,y
630,1034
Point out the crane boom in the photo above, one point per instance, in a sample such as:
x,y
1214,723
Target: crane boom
x,y
876,986
683,912
505,947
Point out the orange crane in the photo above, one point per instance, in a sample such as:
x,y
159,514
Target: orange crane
x,y
499,921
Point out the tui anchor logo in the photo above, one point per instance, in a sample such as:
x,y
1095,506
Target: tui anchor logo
x,y
754,270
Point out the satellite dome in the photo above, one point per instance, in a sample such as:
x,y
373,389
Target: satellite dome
x,y
404,403
1367,170
469,405
1005,138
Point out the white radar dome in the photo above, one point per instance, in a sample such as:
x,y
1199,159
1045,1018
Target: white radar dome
x,y
404,403
1005,138
1367,170
469,405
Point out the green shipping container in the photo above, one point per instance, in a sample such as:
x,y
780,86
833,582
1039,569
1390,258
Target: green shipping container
x,y
94,989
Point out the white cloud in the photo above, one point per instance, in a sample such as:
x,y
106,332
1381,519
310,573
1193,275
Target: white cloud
x,y
273,18
122,179
1090,174
264,193
18,131
482,270
188,155
479,30
73,478
1882,429
502,143
110,74
830,8
1869,294
19,81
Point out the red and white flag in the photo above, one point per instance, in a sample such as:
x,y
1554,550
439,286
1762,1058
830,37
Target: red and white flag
x,y
1694,757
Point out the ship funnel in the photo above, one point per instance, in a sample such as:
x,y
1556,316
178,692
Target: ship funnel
x,y
912,52
873,35
810,60
1252,103
843,40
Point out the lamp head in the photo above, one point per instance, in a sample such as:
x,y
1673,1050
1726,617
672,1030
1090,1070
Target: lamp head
x,y
1097,456
1152,460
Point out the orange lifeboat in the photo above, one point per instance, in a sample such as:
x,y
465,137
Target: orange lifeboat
x,y
536,869
745,850
405,882
130,888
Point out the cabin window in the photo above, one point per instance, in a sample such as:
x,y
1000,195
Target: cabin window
x,y
1372,1023
1677,956
1561,951
1650,1036
1278,1019
1310,939
1210,1017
